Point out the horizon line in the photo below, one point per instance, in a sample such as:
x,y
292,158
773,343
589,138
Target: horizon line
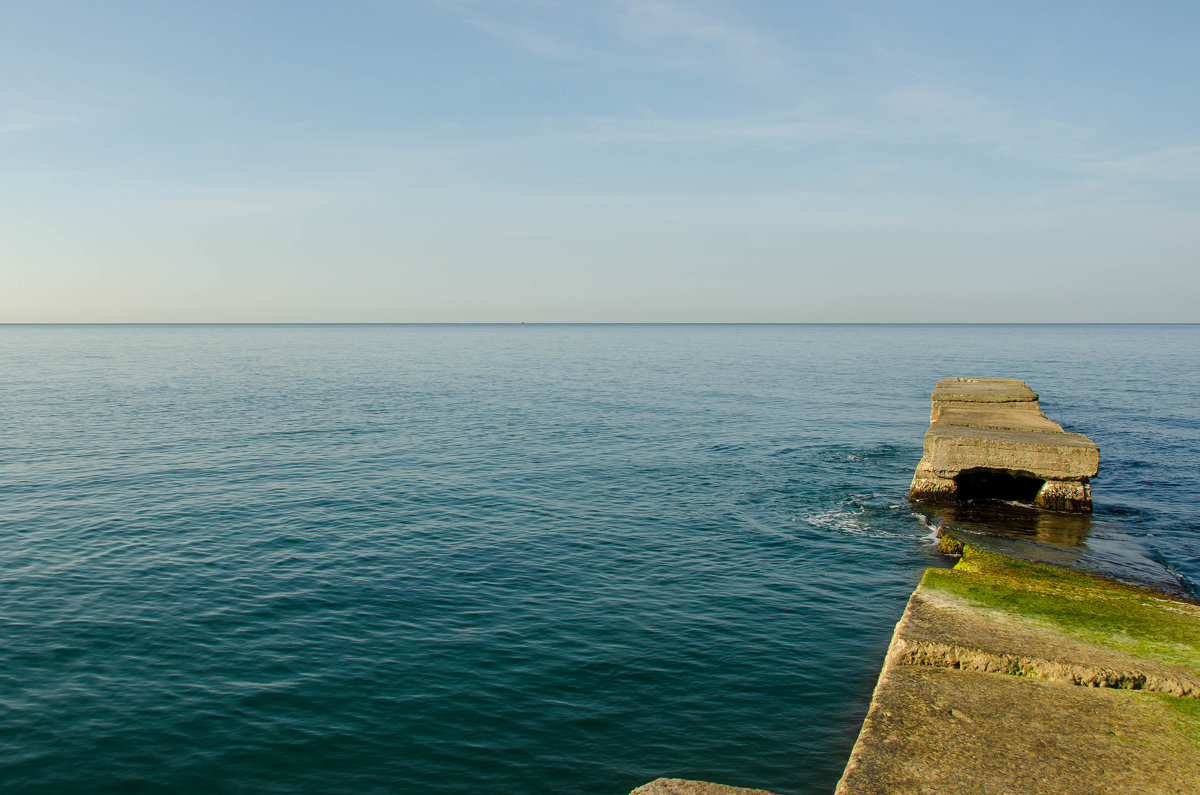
x,y
608,323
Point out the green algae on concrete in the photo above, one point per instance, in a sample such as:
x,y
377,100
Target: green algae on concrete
x,y
1007,676
1133,620
1187,711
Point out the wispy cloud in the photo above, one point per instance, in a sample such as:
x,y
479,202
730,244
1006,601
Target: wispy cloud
x,y
647,34
929,110
237,202
1178,163
700,36
529,37
653,130
922,99
22,122
932,110
438,146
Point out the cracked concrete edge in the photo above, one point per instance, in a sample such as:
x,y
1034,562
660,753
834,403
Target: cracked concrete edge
x,y
1103,666
943,655
846,785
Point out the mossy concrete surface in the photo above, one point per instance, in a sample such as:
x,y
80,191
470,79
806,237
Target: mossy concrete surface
x,y
1010,676
1067,605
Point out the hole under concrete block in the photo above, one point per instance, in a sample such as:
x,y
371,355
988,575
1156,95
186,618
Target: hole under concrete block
x,y
997,484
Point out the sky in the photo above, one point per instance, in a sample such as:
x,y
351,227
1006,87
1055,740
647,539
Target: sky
x,y
599,161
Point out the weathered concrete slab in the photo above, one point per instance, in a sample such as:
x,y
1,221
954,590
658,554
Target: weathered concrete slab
x,y
1009,676
938,730
1063,608
941,629
679,786
1004,418
970,392
988,436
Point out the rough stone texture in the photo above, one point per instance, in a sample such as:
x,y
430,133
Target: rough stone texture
x,y
939,730
1065,495
1005,676
956,392
679,786
942,630
995,424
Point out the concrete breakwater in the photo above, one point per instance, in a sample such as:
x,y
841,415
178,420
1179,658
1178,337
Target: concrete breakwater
x,y
987,437
1010,676
1005,676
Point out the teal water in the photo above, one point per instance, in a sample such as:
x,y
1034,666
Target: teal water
x,y
563,559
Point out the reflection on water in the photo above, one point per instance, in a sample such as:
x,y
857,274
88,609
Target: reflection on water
x,y
1077,541
1016,520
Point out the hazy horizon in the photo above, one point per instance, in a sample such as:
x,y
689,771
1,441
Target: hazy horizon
x,y
595,323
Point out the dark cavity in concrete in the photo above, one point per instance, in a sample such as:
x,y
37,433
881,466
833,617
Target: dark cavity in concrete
x,y
983,483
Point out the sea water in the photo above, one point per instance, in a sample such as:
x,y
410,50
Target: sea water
x,y
522,558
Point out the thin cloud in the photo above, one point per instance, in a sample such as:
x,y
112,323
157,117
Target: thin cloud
x,y
545,44
240,203
932,101
928,110
1179,163
436,146
705,131
663,35
698,37
23,122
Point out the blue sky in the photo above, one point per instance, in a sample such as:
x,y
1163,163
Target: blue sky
x,y
610,160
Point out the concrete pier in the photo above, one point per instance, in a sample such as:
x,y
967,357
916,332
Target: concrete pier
x,y
1005,676
988,438
1010,676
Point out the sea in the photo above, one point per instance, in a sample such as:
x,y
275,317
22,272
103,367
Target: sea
x,y
513,558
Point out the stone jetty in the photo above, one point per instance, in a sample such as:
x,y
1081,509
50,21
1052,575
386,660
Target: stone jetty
x,y
1005,676
988,438
1011,676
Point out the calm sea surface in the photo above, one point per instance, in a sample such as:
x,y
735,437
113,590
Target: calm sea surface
x,y
493,559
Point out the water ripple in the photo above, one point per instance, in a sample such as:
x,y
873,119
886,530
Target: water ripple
x,y
496,559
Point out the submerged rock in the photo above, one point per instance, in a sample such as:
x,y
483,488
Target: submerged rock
x,y
679,786
988,438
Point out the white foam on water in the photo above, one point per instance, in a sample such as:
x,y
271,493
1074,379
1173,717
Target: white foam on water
x,y
933,527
